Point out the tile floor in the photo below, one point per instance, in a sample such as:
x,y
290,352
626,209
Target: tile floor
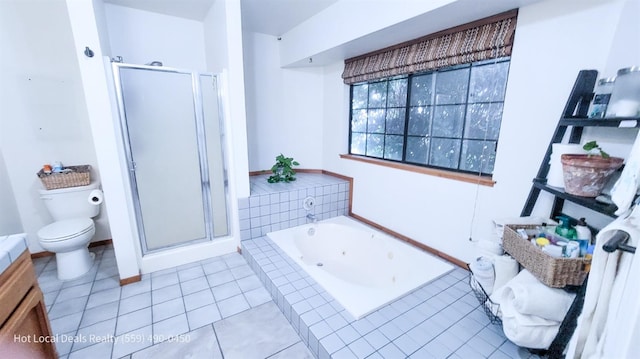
x,y
218,308
215,308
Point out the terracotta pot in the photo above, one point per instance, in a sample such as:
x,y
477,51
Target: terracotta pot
x,y
586,175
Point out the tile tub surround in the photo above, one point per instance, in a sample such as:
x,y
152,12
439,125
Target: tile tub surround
x,y
441,319
275,206
211,303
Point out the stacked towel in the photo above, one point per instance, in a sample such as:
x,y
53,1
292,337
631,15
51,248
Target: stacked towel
x,y
530,296
527,331
531,311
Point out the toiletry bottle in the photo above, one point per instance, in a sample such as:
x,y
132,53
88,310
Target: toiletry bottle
x,y
583,236
542,230
542,242
582,231
57,166
603,90
564,229
588,255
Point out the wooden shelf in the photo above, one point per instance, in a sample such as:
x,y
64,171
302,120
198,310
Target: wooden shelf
x,y
609,122
573,117
590,203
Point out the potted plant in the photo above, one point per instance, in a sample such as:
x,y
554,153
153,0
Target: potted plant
x,y
283,170
585,175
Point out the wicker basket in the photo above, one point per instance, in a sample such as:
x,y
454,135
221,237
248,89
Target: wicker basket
x,y
79,176
554,272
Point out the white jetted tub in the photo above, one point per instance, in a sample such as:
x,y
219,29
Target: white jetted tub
x,y
361,267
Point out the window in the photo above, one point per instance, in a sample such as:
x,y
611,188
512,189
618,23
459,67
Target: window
x,y
447,118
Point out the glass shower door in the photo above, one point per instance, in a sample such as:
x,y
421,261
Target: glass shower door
x,y
215,155
165,160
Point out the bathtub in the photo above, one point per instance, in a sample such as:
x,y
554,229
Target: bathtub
x,y
361,267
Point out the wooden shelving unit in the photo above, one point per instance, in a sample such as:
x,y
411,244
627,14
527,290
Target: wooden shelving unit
x,y
573,119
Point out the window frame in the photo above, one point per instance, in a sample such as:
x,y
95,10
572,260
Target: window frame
x,y
458,172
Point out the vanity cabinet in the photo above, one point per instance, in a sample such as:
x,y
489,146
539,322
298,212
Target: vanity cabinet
x,y
25,331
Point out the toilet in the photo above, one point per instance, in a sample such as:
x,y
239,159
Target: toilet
x,y
69,236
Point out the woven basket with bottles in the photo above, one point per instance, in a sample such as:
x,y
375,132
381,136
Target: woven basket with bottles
x,y
552,271
71,176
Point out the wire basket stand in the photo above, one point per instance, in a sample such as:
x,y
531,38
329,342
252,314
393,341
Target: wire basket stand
x,y
491,309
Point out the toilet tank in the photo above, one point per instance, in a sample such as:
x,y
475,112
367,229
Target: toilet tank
x,y
72,202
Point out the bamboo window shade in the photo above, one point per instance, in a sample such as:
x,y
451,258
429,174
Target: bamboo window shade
x,y
483,39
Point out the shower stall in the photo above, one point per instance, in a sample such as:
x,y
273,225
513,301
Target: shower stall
x,y
173,137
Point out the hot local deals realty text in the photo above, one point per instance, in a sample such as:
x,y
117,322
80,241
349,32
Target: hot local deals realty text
x,y
92,338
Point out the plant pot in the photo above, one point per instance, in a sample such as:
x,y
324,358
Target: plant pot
x,y
586,175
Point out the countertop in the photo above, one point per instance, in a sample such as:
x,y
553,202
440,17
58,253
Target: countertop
x,y
11,247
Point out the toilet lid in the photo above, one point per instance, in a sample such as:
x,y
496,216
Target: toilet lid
x,y
65,229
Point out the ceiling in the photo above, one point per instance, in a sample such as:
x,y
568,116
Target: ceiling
x,y
272,17
276,17
189,9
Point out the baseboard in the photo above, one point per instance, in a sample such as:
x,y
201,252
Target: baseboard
x,y
413,242
298,170
42,254
103,242
129,280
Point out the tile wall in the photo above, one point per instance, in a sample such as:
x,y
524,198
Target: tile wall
x,y
275,206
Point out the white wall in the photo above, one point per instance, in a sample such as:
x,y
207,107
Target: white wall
x,y
223,47
625,47
142,36
10,222
215,37
284,107
86,29
554,40
43,118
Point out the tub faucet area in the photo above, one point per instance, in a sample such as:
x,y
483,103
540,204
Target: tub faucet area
x,y
312,217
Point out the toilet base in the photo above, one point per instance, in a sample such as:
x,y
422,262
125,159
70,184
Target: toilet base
x,y
74,264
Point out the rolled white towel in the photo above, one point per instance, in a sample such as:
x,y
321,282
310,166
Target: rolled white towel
x,y
529,296
482,270
506,268
490,248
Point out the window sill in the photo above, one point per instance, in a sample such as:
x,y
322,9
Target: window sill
x,y
464,177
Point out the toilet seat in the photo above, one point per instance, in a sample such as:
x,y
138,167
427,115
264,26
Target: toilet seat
x,y
66,229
